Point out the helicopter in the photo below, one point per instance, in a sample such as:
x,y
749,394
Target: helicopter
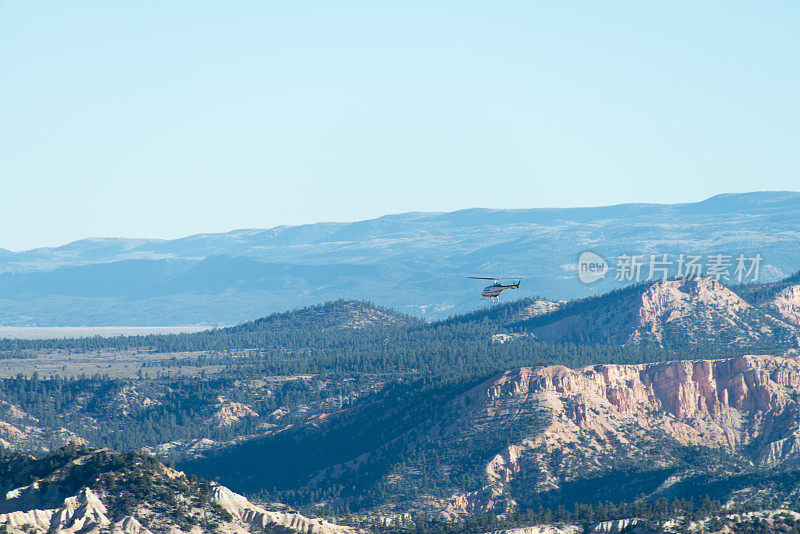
x,y
493,291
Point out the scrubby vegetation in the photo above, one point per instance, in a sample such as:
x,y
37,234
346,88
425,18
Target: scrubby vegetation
x,y
129,485
392,375
759,293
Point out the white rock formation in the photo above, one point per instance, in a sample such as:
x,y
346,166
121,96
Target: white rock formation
x,y
748,405
787,304
84,513
541,529
245,511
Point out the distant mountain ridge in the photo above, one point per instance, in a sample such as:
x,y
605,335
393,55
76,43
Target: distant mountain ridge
x,y
414,262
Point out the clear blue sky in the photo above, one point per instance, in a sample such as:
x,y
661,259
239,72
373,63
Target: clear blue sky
x,y
162,119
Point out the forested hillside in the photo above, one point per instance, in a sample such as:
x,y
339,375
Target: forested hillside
x,y
347,405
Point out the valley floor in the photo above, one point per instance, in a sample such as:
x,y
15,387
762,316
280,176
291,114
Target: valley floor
x,y
113,363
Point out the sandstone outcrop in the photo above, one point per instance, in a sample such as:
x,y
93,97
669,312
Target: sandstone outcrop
x,y
228,412
28,437
607,414
612,527
541,529
787,304
672,312
84,513
91,491
246,512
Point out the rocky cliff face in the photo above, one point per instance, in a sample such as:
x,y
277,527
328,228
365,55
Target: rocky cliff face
x,y
614,416
258,517
774,520
91,491
786,304
548,436
22,431
674,312
541,529
84,512
228,412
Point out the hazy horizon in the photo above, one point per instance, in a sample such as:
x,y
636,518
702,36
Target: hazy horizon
x,y
202,233
167,120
